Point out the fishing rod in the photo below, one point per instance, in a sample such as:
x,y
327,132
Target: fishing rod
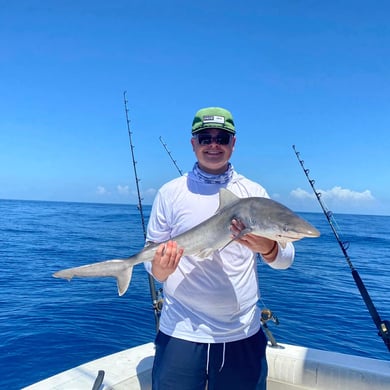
x,y
156,299
383,326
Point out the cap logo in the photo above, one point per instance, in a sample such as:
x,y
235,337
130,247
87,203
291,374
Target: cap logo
x,y
213,119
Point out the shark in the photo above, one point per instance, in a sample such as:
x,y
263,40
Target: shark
x,y
260,216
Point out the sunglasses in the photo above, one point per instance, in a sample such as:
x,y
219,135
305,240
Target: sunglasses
x,y
220,139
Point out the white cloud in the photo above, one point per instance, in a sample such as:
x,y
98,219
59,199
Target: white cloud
x,y
101,190
335,194
122,190
345,194
299,193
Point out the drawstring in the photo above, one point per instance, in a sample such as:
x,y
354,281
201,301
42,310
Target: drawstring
x,y
208,357
223,357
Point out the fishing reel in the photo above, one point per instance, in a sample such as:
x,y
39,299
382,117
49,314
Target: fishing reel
x,y
159,301
268,315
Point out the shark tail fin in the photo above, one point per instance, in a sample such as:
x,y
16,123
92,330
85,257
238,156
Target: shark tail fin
x,y
117,268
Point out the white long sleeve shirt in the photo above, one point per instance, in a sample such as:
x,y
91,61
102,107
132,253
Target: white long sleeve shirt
x,y
214,299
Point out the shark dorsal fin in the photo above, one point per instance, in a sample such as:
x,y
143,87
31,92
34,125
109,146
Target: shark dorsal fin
x,y
226,198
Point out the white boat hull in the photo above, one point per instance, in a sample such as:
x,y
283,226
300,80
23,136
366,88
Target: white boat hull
x,y
290,368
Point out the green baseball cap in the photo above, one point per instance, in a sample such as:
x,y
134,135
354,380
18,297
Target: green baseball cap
x,y
213,118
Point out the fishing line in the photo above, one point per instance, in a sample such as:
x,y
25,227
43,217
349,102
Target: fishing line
x,y
156,295
383,326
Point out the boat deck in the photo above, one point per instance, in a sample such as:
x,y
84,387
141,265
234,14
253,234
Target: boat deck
x,y
290,368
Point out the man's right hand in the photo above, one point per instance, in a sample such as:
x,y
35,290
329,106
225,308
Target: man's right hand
x,y
166,260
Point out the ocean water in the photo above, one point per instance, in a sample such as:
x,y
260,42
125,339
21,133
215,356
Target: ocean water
x,y
48,325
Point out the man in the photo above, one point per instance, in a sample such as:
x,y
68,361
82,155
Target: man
x,y
210,323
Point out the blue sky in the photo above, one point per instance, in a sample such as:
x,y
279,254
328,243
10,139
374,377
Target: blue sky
x,y
315,74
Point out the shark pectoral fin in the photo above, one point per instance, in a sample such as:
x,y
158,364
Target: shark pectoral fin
x,y
242,233
228,243
123,280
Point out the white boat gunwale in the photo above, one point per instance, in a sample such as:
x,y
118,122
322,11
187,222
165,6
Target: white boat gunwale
x,y
290,367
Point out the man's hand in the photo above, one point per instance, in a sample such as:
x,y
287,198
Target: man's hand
x,y
262,245
166,259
